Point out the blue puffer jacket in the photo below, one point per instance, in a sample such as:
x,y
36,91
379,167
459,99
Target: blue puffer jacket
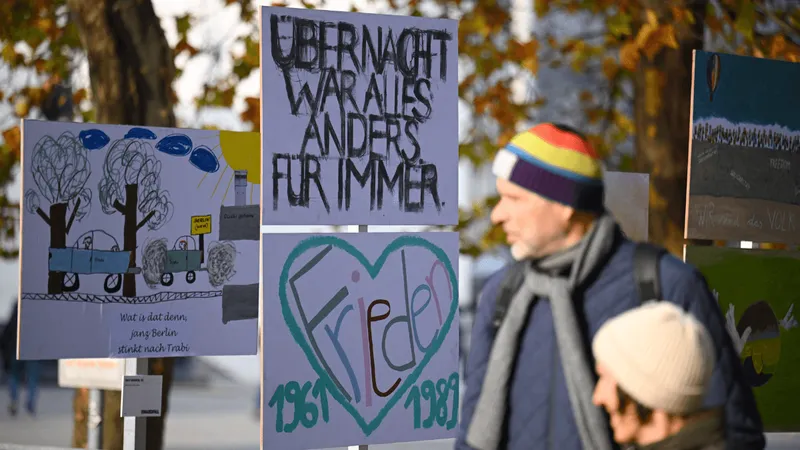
x,y
539,415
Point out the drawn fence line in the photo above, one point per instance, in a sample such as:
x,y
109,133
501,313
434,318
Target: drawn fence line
x,y
159,297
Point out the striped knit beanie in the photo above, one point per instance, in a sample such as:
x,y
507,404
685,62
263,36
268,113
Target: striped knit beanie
x,y
555,163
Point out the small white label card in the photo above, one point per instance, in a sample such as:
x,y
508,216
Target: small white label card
x,y
141,396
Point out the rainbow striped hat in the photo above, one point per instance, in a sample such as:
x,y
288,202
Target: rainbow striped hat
x,y
556,163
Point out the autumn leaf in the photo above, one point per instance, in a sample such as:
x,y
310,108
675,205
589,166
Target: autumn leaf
x,y
252,112
182,24
624,123
619,25
652,18
8,53
629,56
595,115
778,46
713,23
610,67
541,7
184,46
663,36
644,34
531,64
22,107
11,137
746,19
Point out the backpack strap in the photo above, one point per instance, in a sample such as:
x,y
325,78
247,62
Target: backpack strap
x,y
508,287
646,259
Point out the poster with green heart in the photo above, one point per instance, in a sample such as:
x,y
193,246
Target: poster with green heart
x,y
757,291
360,339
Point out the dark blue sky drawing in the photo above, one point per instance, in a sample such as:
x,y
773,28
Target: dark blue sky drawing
x,y
93,139
175,145
140,133
204,159
751,90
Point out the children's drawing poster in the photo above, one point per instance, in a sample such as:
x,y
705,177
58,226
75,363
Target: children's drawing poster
x,y
360,341
138,242
757,290
744,165
359,118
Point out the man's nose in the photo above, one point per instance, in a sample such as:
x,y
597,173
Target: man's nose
x,y
496,215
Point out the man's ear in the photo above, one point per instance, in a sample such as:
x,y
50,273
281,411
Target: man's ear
x,y
566,213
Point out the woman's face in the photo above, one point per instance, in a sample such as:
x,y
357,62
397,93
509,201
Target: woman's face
x,y
625,423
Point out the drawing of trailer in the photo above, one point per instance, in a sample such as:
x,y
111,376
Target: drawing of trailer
x,y
184,257
83,259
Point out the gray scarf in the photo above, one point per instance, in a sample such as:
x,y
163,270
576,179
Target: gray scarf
x,y
486,430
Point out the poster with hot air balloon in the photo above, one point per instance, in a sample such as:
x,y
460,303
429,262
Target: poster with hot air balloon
x,y
138,241
758,291
744,154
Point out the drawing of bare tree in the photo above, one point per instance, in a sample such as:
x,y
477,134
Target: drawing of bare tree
x,y
60,170
131,186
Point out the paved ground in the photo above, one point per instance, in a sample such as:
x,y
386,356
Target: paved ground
x,y
192,425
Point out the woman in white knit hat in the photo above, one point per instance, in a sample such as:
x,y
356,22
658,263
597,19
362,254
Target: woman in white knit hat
x,y
654,364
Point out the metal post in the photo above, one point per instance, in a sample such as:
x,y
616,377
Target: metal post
x,y
94,436
135,428
361,229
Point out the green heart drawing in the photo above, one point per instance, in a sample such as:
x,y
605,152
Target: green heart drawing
x,y
373,269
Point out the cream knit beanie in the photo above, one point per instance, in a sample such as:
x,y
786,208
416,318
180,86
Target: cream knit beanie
x,y
659,354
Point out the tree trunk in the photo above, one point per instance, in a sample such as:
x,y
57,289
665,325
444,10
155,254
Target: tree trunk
x,y
129,237
131,66
661,113
58,239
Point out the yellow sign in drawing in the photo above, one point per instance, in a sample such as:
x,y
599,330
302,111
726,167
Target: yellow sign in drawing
x,y
201,224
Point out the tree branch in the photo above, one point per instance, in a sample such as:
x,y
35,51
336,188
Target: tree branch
x,y
119,206
43,215
770,15
72,216
145,220
613,90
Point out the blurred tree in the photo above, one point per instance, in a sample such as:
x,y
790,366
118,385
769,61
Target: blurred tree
x,y
131,68
646,56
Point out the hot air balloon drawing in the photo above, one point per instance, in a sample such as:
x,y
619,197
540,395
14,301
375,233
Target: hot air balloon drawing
x,y
712,74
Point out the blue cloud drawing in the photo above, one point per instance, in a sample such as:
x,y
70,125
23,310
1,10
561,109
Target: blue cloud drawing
x,y
175,145
93,139
204,159
140,133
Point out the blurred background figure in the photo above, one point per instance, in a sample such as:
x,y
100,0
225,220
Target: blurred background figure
x,y
654,364
18,371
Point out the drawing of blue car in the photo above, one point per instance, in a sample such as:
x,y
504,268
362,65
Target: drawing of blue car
x,y
83,258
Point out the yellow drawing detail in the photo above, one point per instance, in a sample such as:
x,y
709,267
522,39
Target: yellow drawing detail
x,y
765,353
201,224
242,151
